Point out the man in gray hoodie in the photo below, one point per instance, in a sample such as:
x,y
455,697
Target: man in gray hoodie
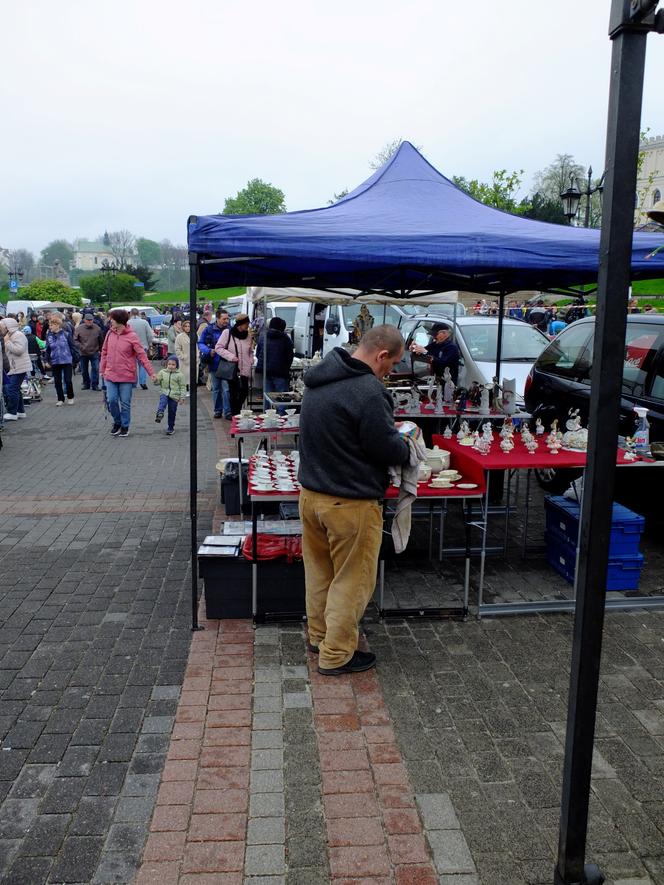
x,y
348,439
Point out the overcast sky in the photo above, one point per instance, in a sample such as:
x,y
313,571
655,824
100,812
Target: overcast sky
x,y
137,114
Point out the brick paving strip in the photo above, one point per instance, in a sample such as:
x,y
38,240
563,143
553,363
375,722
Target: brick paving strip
x,y
276,775
374,831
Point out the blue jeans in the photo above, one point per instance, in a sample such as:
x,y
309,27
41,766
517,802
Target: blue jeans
x,y
13,394
221,395
118,394
90,370
142,374
278,385
165,402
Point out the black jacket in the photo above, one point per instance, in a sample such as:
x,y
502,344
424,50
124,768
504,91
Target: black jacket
x,y
279,353
444,355
347,433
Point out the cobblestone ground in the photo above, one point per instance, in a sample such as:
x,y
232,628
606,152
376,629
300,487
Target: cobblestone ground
x,y
134,754
94,632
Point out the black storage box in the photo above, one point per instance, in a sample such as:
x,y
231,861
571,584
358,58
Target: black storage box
x,y
227,586
230,489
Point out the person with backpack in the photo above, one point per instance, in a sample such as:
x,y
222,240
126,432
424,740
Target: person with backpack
x,y
61,355
277,359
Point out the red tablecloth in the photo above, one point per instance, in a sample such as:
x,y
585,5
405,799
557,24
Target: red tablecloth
x,y
519,458
470,472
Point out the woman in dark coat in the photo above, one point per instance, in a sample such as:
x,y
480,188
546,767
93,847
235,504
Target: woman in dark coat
x,y
279,357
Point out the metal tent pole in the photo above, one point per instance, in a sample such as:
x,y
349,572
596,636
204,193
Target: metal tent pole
x,y
499,341
193,442
629,25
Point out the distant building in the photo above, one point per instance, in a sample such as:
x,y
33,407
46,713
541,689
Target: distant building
x,y
650,183
89,255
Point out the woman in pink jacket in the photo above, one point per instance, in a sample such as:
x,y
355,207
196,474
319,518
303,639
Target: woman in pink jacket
x,y
236,346
118,366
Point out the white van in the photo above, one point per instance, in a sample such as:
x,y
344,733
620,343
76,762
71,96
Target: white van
x,y
339,319
25,307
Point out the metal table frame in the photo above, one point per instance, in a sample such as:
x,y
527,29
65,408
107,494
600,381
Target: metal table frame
x,y
460,613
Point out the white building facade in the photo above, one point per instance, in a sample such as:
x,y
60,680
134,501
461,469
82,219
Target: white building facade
x,y
650,182
90,255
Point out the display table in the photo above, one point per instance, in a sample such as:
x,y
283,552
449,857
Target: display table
x,y
520,459
458,461
268,434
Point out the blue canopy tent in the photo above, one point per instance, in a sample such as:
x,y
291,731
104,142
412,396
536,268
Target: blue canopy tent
x,y
406,230
406,227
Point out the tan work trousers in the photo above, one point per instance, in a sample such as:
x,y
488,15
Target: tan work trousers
x,y
340,546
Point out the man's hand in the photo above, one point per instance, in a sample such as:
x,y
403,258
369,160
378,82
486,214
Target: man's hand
x,y
417,348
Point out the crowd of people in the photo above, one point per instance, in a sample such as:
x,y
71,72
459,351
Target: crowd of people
x,y
111,352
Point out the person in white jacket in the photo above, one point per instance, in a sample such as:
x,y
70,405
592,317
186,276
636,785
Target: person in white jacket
x,y
16,348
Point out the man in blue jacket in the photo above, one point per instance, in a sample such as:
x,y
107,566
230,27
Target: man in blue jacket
x,y
277,358
221,396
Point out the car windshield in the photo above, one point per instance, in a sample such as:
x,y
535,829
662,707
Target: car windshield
x,y
287,314
377,311
444,310
520,342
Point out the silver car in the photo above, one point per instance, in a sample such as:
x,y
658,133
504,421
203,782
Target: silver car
x,y
476,338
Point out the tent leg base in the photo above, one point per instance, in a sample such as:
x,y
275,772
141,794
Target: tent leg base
x,y
592,875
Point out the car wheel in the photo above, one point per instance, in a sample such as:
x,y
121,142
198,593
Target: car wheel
x,y
555,481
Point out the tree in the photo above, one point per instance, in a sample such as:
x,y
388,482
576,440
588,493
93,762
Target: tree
x,y
557,176
106,287
148,252
51,290
121,244
500,192
143,275
541,208
337,197
257,198
22,259
59,250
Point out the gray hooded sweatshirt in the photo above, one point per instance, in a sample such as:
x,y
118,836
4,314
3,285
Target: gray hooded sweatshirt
x,y
347,433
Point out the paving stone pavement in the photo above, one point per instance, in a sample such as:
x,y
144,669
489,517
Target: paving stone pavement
x,y
134,754
94,632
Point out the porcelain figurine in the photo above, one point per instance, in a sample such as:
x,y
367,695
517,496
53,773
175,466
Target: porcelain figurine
x,y
507,429
449,386
484,401
448,432
509,395
439,397
531,445
539,427
507,444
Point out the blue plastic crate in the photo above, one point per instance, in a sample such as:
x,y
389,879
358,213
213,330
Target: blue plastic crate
x,y
562,519
624,571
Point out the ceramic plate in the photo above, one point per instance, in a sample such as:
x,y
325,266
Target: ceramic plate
x,y
467,485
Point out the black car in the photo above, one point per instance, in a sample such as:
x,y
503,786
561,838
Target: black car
x,y
560,380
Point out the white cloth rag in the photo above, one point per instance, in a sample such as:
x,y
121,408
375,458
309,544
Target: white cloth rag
x,y
404,478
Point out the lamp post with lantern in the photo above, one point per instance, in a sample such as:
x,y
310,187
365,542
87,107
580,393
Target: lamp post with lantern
x,y
107,269
572,196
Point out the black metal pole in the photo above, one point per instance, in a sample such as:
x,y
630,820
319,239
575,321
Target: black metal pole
x,y
622,146
589,193
193,442
499,341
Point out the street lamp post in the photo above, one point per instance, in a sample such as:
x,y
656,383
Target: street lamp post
x,y
107,269
15,277
572,196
